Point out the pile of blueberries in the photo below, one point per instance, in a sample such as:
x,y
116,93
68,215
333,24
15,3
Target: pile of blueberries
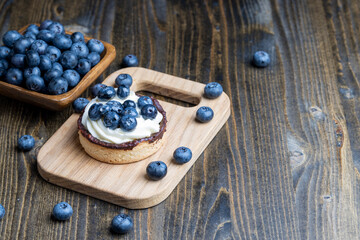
x,y
45,59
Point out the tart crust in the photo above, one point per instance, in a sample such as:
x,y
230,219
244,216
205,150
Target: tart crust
x,y
126,152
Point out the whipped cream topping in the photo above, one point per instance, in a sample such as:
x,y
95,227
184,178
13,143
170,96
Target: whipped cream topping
x,y
144,128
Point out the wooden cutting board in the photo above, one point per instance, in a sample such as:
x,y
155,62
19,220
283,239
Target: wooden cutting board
x,y
63,161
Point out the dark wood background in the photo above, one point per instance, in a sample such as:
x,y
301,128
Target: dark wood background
x,y
286,164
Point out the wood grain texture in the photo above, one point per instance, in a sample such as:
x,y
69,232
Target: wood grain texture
x,y
286,164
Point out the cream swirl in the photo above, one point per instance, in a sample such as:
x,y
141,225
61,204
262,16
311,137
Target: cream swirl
x,y
97,129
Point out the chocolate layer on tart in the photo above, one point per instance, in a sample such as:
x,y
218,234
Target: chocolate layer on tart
x,y
132,144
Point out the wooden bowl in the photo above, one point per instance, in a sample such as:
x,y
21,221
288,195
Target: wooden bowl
x,y
59,102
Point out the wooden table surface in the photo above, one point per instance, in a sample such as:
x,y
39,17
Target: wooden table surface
x,y
285,165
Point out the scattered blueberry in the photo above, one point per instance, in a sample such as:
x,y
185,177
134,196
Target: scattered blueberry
x,y
79,104
2,211
14,76
130,61
94,58
53,53
80,49
116,106
106,93
83,66
35,83
129,103
45,24
213,90
149,111
62,211
4,52
46,35
77,37
26,143
204,114
128,123
62,42
32,71
156,170
18,60
94,111
39,46
57,66
51,74
261,59
122,224
124,80
56,28
72,77
143,100
111,119
123,92
130,111
10,37
32,58
95,45
58,86
96,88
182,155
45,63
68,60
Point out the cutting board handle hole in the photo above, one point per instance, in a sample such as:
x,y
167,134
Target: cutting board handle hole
x,y
187,102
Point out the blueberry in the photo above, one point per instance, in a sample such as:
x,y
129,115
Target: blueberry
x,y
129,103
32,58
96,88
58,66
31,36
213,90
4,52
10,37
83,66
79,104
156,170
122,224
35,83
2,211
14,76
46,35
4,65
182,155
116,106
261,59
204,114
18,60
45,63
124,80
130,111
39,46
56,28
22,45
128,123
143,100
104,109
111,120
94,111
26,143
80,49
58,86
77,37
32,28
53,53
123,92
95,45
62,211
149,111
130,61
94,58
106,93
52,74
45,24
68,60
62,42
32,71
72,77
